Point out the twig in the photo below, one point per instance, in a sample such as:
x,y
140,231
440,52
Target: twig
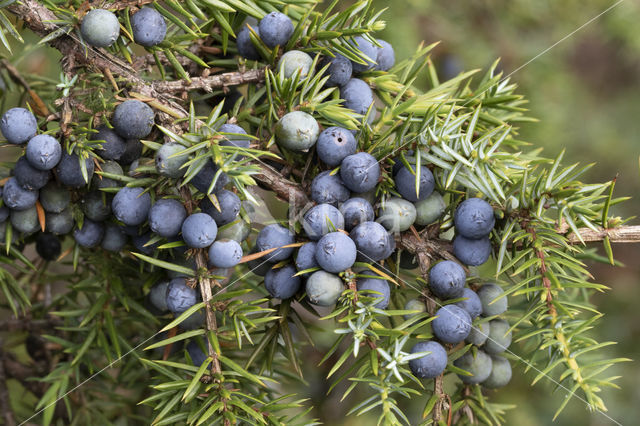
x,y
209,83
205,291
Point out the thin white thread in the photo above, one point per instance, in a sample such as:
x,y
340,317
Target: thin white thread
x,y
570,394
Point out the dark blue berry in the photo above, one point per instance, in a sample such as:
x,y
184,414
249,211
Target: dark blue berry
x,y
375,288
233,139
29,177
322,219
114,239
274,236
149,27
335,252
357,95
131,206
474,218
328,188
112,146
18,125
48,246
306,257
229,204
43,152
133,119
360,172
430,365
446,280
199,230
405,181
386,57
339,70
471,304
369,50
90,234
224,254
282,283
334,145
180,296
355,211
471,252
275,29
166,217
452,324
372,241
205,177
70,173
16,197
246,48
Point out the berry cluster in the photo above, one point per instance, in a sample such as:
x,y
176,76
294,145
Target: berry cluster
x,y
351,225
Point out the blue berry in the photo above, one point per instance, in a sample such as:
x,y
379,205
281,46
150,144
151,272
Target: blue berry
x,y
492,302
295,61
132,152
357,95
131,206
18,125
133,119
112,147
323,288
59,223
149,27
297,131
499,338
275,29
100,28
474,218
54,198
360,172
471,304
478,364
500,373
166,217
452,324
386,57
199,230
321,220
334,145
43,152
430,365
198,357
339,70
246,48
355,211
282,283
446,280
229,204
224,254
70,173
158,296
478,334
114,239
96,205
405,181
372,241
16,197
274,236
4,212
430,209
306,257
414,305
397,214
180,296
90,234
48,246
369,50
335,252
168,163
328,188
205,177
25,221
29,177
111,167
471,252
376,288
234,140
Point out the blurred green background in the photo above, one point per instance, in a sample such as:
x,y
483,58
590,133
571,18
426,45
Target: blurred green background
x,y
586,94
